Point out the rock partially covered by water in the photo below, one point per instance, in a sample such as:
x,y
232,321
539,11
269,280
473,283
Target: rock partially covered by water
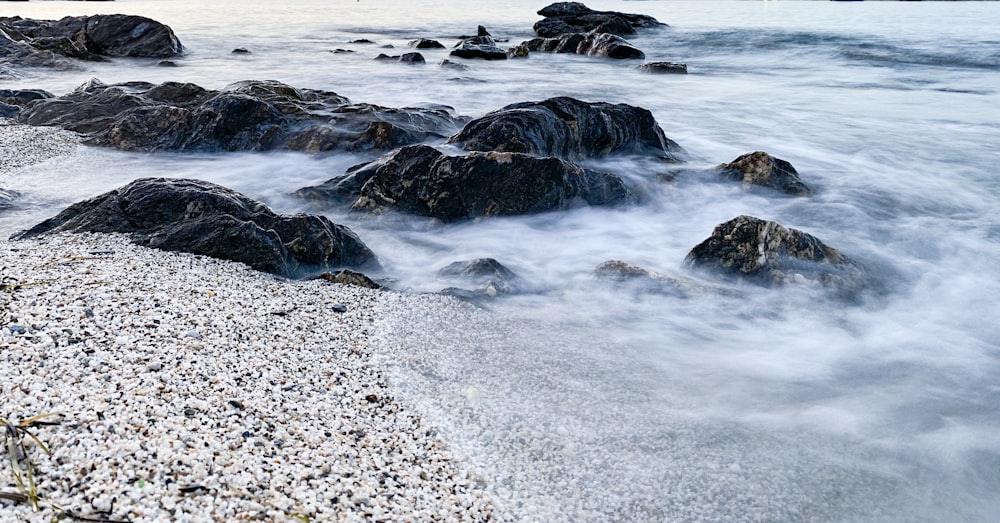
x,y
405,58
664,68
762,169
204,218
86,37
423,181
574,17
569,128
14,53
592,44
425,43
491,277
245,116
769,254
483,47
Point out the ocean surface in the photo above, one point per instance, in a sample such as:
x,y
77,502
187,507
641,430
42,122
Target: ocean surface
x,y
588,402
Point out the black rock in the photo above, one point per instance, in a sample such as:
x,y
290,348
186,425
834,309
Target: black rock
x,y
361,41
569,128
241,50
762,169
590,44
245,116
769,254
423,181
207,219
87,37
664,68
479,47
424,43
574,17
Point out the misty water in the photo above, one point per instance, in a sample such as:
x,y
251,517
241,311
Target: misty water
x,y
583,401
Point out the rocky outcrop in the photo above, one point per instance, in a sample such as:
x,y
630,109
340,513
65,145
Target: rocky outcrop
x,y
664,68
245,116
483,47
574,17
761,169
569,128
94,37
18,54
203,218
423,181
590,44
769,254
425,43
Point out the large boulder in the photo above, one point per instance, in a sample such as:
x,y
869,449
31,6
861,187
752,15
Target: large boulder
x,y
761,169
574,17
590,44
86,37
204,218
423,181
569,128
483,47
245,116
767,253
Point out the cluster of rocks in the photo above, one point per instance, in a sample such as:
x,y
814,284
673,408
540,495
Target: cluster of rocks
x,y
524,158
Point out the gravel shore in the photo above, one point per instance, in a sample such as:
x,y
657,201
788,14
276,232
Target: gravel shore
x,y
193,389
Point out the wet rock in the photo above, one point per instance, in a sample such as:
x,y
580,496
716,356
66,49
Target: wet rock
x,y
23,96
91,37
8,111
361,41
240,50
18,54
424,43
349,277
167,63
423,181
664,68
768,254
343,51
518,51
203,218
762,169
483,47
406,58
448,64
245,116
574,17
569,128
592,44
491,276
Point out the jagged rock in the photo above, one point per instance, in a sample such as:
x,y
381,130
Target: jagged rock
x,y
23,96
479,47
93,37
21,54
767,253
245,116
491,277
590,44
574,17
762,169
423,181
349,277
664,68
568,128
424,43
518,51
204,218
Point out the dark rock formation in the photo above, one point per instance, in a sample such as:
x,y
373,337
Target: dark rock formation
x,y
21,54
349,277
664,68
204,218
574,17
93,37
424,43
518,51
568,128
23,96
769,254
479,47
491,277
590,44
760,168
252,115
240,50
405,58
423,181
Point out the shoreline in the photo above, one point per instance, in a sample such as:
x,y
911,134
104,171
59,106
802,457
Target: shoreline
x,y
176,404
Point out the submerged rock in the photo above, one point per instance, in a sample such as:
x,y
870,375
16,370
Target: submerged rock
x,y
245,116
664,68
405,58
569,128
762,169
767,253
491,277
423,181
575,17
483,47
592,44
204,218
93,37
646,281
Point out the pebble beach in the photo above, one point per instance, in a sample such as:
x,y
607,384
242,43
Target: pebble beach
x,y
192,389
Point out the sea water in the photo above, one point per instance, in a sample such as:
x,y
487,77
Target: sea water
x,y
582,401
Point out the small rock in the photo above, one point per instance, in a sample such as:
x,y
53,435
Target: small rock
x,y
16,329
193,333
166,63
155,366
339,308
241,50
664,68
424,43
